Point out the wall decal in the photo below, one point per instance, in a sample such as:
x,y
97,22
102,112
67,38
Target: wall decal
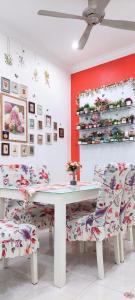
x,y
31,123
61,132
55,136
14,118
31,138
7,55
21,58
5,135
31,150
16,75
47,78
39,125
35,75
39,110
55,126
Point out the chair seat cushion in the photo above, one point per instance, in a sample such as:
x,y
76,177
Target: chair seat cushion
x,y
17,239
35,214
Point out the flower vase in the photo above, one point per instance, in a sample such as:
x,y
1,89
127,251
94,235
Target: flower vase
x,y
73,177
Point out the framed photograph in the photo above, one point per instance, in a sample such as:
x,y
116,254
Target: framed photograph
x,y
5,135
23,91
24,150
31,150
39,110
5,85
48,121
14,118
55,136
14,87
31,123
48,138
40,139
31,107
55,126
39,125
15,150
61,132
31,138
5,149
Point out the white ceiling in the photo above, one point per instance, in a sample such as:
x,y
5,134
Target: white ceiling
x,y
54,36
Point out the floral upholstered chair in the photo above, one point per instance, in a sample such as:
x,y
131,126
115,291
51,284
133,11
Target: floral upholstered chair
x,y
104,221
19,240
127,211
18,175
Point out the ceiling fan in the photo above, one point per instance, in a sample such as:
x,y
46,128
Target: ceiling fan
x,y
94,14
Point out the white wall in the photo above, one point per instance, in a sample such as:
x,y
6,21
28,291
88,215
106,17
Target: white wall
x,y
56,99
91,155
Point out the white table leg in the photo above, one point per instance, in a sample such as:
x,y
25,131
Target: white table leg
x,y
2,208
60,244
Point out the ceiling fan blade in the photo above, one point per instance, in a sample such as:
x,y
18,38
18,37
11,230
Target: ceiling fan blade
x,y
55,14
84,37
98,5
127,25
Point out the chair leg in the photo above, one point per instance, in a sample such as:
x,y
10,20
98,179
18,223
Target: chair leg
x,y
100,262
116,249
34,268
133,231
130,234
121,246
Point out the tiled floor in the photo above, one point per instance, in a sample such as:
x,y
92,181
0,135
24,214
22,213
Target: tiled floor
x,y
82,282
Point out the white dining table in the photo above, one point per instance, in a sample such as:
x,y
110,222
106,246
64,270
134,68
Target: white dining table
x,y
59,197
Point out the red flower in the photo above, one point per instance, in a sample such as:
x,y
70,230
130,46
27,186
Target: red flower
x,y
95,230
118,186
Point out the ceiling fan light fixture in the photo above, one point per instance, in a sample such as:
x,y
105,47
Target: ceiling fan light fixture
x,y
75,45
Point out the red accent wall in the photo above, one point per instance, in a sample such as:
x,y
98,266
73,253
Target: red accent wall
x,y
92,78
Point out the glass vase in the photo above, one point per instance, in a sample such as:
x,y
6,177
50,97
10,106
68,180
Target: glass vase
x,y
73,178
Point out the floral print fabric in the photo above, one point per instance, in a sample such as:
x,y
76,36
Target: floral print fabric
x,y
127,211
17,240
104,222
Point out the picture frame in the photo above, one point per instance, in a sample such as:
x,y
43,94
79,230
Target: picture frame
x,y
55,136
5,135
14,117
14,88
40,139
39,125
31,107
31,123
48,138
5,149
55,126
48,121
31,138
39,110
61,132
5,85
24,150
23,91
15,150
31,150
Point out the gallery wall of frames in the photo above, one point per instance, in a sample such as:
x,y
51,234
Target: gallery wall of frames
x,y
34,108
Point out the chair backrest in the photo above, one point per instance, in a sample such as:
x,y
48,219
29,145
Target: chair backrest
x,y
108,204
39,174
14,175
127,211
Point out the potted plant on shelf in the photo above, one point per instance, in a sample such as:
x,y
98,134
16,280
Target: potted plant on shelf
x,y
73,167
80,110
82,140
92,108
131,119
124,120
128,101
101,104
86,108
112,105
131,134
119,103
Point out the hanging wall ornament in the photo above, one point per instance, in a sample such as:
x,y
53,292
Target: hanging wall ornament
x,y
21,58
35,75
47,78
7,55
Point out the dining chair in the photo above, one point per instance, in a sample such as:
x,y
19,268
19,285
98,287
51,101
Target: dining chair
x,y
104,221
127,210
19,240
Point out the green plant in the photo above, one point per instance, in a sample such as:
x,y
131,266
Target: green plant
x,y
87,105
